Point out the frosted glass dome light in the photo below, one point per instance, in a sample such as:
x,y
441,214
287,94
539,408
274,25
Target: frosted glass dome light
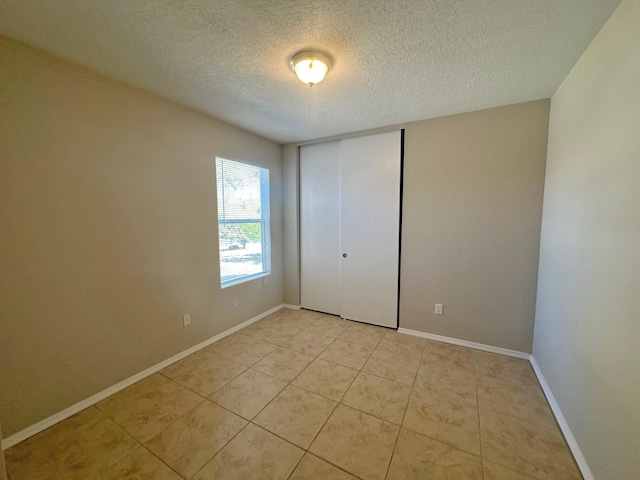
x,y
310,67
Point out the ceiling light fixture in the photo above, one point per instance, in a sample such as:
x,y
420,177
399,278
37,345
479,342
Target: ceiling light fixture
x,y
310,66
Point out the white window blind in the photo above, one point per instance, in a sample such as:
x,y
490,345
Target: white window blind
x,y
243,221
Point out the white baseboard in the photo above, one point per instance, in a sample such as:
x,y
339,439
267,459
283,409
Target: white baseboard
x,y
466,343
555,408
92,400
564,426
292,307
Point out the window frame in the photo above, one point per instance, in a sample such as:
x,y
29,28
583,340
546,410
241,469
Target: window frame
x,y
265,221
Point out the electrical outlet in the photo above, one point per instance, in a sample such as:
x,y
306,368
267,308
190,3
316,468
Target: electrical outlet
x,y
235,301
265,280
438,309
186,319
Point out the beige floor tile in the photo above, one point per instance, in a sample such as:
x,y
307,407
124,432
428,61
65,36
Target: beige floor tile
x,y
364,334
242,349
377,396
329,325
352,355
296,415
309,343
493,471
201,357
248,393
327,379
394,366
140,465
417,458
193,439
501,366
512,396
76,448
448,381
293,318
448,355
283,363
147,407
314,468
253,454
531,448
356,442
402,344
444,419
271,332
207,378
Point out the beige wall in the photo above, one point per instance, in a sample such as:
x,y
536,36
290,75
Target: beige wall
x,y
472,206
108,217
290,213
587,331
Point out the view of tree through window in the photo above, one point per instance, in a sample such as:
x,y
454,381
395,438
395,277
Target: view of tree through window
x,y
243,220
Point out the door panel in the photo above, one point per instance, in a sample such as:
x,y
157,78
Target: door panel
x,y
320,227
370,220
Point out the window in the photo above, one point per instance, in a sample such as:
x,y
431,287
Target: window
x,y
243,221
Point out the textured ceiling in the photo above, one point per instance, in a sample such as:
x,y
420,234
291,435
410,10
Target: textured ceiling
x,y
394,61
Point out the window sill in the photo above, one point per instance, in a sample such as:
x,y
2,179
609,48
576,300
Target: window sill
x,y
246,278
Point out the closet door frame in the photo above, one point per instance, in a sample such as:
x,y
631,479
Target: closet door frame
x,y
304,233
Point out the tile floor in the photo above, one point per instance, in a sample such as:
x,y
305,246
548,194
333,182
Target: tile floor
x,y
306,396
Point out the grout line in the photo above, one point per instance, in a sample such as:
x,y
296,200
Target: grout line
x,y
165,463
395,446
225,445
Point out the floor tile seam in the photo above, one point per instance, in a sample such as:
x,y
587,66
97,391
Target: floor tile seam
x,y
296,386
475,379
449,397
304,450
222,448
442,443
304,370
340,364
508,382
121,428
548,424
395,446
268,341
296,465
430,363
208,397
360,343
169,466
286,348
396,353
204,399
392,352
533,465
511,469
268,375
323,424
555,430
319,394
373,414
386,378
320,353
327,461
250,420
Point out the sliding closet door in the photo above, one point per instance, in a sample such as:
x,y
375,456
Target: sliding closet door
x,y
370,169
320,227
